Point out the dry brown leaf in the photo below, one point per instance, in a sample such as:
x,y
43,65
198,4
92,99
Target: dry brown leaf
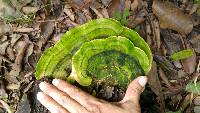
x,y
88,15
28,87
163,77
68,11
153,79
167,66
186,101
172,41
56,37
171,17
155,85
24,30
11,77
195,41
104,12
153,33
29,51
8,11
1,65
14,39
148,35
106,2
138,18
197,101
177,64
46,31
194,8
6,106
163,50
198,67
5,59
71,24
30,10
3,47
3,93
81,19
182,74
136,4
20,3
17,66
189,64
10,53
156,32
99,15
127,5
116,6
26,77
4,28
3,38
12,86
196,19
79,4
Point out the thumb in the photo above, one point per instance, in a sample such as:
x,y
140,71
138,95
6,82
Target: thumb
x,y
135,88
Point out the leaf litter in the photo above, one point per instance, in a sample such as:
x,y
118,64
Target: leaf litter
x,y
167,26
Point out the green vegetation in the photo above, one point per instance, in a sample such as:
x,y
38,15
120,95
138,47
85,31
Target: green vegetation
x,y
181,54
122,17
193,87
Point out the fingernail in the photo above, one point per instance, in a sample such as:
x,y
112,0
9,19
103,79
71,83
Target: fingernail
x,y
55,82
142,81
40,96
42,85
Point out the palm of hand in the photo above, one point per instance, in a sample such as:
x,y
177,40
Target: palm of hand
x,y
62,97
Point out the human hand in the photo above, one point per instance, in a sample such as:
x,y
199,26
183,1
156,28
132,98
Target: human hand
x,y
62,97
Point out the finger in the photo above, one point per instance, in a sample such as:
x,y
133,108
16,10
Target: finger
x,y
80,96
62,98
135,88
50,104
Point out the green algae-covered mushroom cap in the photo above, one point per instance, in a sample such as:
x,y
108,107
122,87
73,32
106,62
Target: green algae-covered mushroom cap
x,y
123,62
56,60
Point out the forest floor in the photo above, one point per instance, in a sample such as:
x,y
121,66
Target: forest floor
x,y
28,27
